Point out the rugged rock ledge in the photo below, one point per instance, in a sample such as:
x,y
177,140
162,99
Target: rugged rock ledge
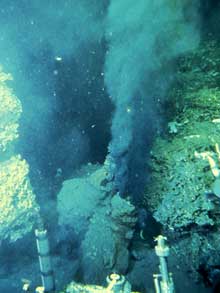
x,y
176,192
18,207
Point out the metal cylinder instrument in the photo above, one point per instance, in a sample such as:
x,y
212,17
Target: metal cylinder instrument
x,y
43,249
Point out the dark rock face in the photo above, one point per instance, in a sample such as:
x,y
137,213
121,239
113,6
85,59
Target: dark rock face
x,y
104,223
181,178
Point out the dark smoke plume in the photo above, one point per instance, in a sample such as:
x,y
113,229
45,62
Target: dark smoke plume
x,y
143,38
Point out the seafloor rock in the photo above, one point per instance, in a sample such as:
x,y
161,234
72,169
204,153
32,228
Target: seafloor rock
x,y
76,288
184,202
78,201
17,201
105,247
10,111
179,178
197,251
103,221
18,208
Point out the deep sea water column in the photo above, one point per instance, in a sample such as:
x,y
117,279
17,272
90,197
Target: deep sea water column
x,y
143,38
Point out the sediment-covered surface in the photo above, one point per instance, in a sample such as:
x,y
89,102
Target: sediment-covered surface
x,y
181,180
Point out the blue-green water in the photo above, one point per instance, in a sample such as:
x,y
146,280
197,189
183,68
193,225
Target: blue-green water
x,y
94,79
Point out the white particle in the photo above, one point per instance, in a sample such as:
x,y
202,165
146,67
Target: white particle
x,y
58,58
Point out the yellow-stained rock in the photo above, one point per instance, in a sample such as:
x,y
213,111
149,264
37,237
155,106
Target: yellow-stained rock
x,y
18,208
77,288
17,201
10,111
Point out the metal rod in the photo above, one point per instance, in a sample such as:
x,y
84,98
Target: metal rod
x,y
43,249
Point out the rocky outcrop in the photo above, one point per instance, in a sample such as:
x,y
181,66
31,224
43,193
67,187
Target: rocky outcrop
x,y
17,200
180,177
10,111
105,246
104,223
